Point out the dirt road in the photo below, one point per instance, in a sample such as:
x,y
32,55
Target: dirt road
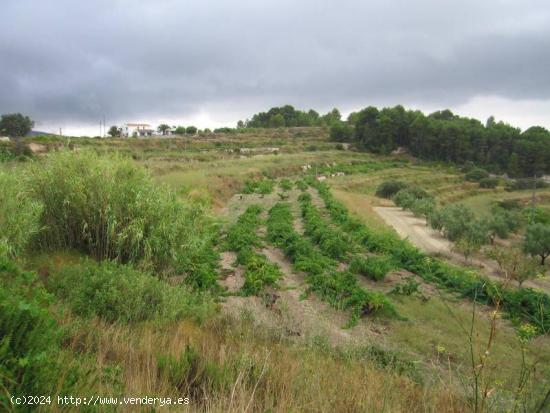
x,y
415,229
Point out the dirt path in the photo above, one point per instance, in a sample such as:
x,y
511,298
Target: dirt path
x,y
416,230
432,242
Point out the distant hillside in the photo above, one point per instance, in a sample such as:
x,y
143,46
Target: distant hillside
x,y
40,133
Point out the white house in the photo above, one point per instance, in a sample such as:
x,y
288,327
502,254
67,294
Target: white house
x,y
137,129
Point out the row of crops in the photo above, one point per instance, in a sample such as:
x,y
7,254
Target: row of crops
x,y
338,244
333,236
523,304
338,288
243,239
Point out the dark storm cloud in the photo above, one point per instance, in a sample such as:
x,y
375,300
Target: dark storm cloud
x,y
70,61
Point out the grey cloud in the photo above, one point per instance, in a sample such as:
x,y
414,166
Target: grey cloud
x,y
70,61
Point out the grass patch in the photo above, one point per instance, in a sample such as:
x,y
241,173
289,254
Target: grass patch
x,y
119,293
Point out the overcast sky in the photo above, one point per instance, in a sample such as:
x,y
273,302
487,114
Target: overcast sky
x,y
68,63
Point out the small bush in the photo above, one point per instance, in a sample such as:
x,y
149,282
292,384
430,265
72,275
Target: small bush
x,y
510,204
405,198
525,183
476,175
488,182
259,273
286,185
265,187
373,267
116,292
301,185
410,287
423,207
388,189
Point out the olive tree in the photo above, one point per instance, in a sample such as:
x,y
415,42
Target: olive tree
x,y
537,241
15,124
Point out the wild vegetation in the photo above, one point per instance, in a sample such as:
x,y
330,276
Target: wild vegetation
x,y
112,283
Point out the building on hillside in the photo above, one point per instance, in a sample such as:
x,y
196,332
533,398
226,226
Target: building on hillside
x,y
137,129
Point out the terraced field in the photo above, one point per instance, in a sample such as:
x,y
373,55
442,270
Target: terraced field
x,y
426,327
321,300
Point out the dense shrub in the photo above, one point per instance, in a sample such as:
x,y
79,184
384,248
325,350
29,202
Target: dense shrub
x,y
476,175
341,132
525,183
388,189
112,209
454,219
509,204
118,292
29,338
423,207
503,222
536,215
373,267
537,241
488,182
405,198
19,214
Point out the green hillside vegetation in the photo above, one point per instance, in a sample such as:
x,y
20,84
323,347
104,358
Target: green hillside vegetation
x,y
249,270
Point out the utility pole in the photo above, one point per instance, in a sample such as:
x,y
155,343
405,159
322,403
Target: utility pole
x,y
534,198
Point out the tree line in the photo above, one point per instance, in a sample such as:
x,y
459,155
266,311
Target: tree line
x,y
439,136
444,136
288,116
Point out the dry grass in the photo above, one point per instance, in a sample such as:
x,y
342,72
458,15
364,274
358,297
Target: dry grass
x,y
257,371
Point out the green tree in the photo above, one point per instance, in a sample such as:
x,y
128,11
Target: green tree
x,y
472,238
454,219
332,117
15,124
191,130
276,121
163,128
341,132
537,241
114,131
513,264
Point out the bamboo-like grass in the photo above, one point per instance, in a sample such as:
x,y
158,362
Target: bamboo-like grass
x,y
110,208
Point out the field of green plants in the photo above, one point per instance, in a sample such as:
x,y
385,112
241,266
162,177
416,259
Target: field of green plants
x,y
114,280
